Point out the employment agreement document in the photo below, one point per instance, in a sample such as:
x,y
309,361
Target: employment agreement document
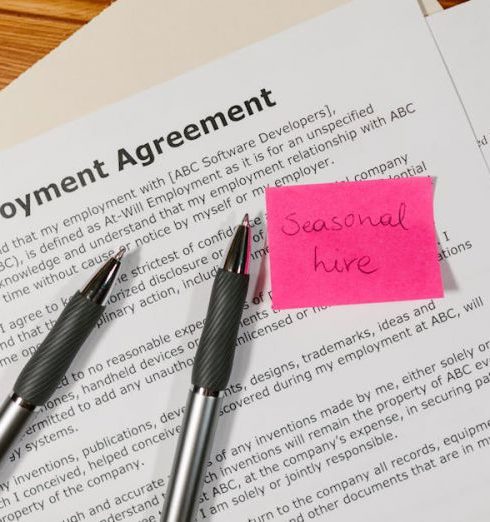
x,y
363,412
463,37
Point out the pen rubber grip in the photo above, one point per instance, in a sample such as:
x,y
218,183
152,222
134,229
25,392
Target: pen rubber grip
x,y
44,371
216,351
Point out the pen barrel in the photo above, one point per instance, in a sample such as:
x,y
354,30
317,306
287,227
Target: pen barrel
x,y
42,374
191,457
14,414
214,357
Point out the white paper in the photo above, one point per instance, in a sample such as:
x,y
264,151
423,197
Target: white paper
x,y
463,37
276,455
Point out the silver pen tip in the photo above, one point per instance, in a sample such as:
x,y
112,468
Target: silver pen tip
x,y
100,286
119,254
237,259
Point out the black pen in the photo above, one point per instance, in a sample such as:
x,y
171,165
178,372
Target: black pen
x,y
42,374
210,375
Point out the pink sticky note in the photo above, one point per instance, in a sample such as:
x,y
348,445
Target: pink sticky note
x,y
346,243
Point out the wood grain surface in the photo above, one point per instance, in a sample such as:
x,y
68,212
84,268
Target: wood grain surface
x,y
450,3
29,29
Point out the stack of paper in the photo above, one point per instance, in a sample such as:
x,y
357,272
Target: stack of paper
x,y
464,40
128,48
361,412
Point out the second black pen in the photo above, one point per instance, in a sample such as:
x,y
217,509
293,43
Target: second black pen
x,y
212,368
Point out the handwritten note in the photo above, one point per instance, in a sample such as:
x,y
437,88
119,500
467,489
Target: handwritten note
x,y
346,243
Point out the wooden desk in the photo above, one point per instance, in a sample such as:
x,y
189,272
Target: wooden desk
x,y
29,29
